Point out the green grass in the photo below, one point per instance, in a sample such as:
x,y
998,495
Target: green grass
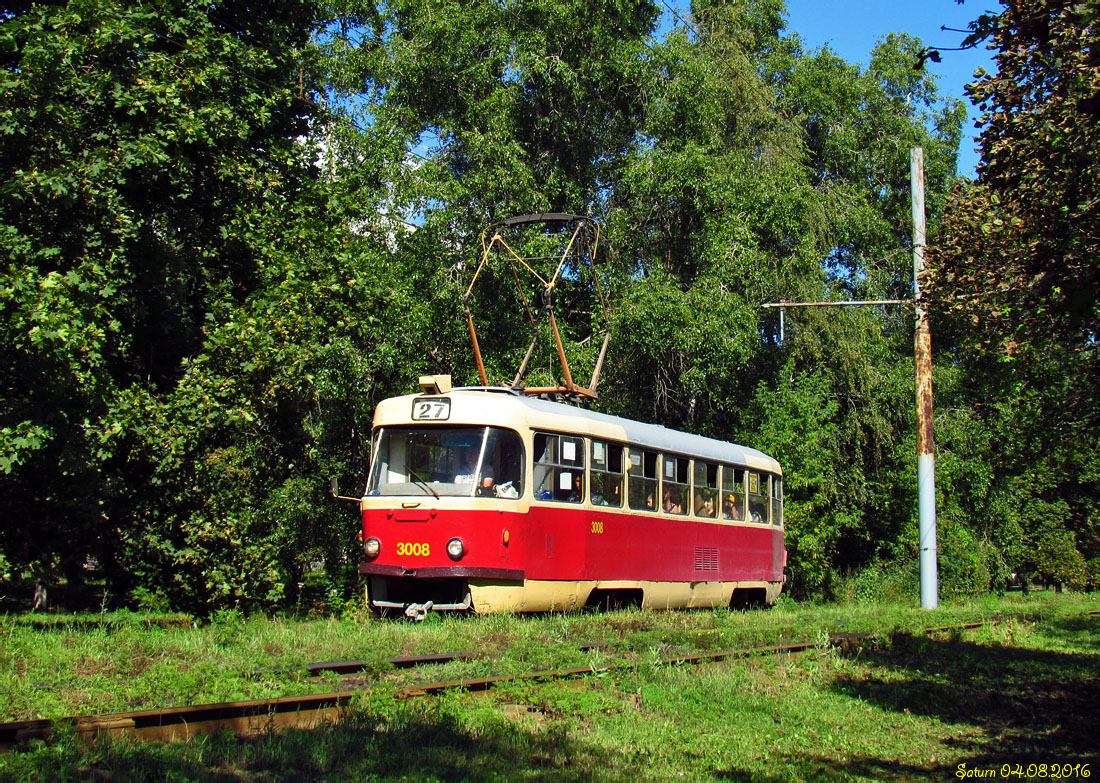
x,y
906,707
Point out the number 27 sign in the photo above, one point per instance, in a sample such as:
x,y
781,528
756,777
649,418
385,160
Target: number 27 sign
x,y
431,409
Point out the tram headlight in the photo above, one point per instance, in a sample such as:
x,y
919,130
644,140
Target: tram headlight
x,y
371,547
455,549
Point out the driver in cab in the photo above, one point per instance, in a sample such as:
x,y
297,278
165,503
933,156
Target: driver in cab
x,y
467,470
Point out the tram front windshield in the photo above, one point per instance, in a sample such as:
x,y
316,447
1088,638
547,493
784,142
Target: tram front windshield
x,y
447,461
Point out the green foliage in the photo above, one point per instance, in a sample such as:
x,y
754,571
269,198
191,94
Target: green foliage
x,y
1092,573
153,188
523,108
964,563
880,583
1022,252
763,161
1015,277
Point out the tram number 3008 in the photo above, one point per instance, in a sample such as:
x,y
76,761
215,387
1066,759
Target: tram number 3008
x,y
415,550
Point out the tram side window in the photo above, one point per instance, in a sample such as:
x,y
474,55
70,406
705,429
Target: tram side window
x,y
777,501
706,489
733,493
607,474
758,496
675,489
559,467
642,487
502,465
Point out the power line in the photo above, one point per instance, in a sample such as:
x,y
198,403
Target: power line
x,y
676,16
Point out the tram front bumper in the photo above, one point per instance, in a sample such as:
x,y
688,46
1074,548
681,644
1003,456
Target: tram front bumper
x,y
439,572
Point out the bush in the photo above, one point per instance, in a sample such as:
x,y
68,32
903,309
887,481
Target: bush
x,y
880,583
964,562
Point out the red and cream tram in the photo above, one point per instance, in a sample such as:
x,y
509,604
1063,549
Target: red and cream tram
x,y
489,500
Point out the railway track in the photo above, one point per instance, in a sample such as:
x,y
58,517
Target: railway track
x,y
398,662
257,716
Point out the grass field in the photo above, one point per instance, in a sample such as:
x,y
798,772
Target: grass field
x,y
907,707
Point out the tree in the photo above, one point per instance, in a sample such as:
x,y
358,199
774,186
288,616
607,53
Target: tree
x,y
1020,254
770,173
1014,279
504,109
520,107
142,143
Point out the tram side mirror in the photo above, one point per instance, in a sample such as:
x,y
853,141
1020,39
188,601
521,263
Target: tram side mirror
x,y
334,483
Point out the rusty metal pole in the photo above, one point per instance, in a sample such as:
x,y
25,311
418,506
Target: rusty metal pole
x,y
926,462
569,386
477,348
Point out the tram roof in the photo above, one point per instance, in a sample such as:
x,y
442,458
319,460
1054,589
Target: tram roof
x,y
503,407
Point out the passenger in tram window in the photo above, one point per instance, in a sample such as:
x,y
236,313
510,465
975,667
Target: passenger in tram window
x,y
649,502
730,510
576,495
706,508
614,498
671,507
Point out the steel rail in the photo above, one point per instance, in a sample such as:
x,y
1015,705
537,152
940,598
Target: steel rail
x,y
257,716
398,662
348,667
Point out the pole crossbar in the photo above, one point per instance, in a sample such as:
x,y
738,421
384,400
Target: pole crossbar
x,y
840,303
843,303
922,350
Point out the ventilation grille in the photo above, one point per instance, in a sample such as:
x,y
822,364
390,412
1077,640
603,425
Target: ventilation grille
x,y
706,559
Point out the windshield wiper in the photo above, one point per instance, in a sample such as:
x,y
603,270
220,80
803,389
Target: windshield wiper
x,y
422,483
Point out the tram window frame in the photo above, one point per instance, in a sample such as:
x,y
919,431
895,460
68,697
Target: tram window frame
x,y
777,501
733,484
675,484
426,459
602,480
551,456
759,502
704,485
642,480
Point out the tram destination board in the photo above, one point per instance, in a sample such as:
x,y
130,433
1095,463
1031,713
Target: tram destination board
x,y
431,409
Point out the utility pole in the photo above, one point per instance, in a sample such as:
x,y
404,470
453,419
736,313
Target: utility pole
x,y
922,348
